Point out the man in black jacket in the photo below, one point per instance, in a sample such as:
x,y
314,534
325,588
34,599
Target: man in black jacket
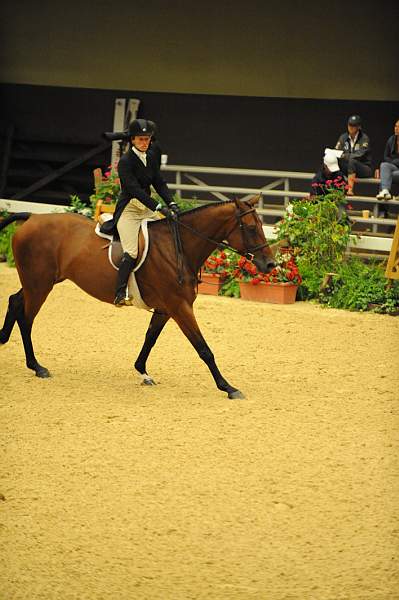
x,y
138,170
356,158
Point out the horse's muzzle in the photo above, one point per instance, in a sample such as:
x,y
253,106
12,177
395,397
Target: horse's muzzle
x,y
264,264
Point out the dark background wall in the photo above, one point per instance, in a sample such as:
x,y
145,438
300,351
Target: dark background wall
x,y
261,85
267,48
238,131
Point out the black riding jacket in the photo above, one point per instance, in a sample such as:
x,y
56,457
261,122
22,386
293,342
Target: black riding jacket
x,y
136,179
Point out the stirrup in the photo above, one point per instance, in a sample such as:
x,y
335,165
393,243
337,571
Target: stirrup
x,y
123,299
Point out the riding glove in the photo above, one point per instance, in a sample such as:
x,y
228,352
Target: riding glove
x,y
166,212
173,206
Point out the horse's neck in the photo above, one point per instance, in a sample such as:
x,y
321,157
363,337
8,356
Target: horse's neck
x,y
213,224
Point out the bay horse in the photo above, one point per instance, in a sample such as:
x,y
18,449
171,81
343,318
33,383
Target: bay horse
x,y
49,248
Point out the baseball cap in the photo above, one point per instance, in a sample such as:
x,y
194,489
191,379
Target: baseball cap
x,y
354,120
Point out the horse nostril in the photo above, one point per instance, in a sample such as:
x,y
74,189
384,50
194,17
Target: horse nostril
x,y
270,265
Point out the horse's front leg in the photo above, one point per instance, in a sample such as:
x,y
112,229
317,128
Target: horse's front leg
x,y
185,319
157,323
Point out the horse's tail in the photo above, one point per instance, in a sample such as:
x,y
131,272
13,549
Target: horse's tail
x,y
23,216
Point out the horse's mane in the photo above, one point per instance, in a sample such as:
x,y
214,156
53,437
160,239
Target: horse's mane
x,y
194,210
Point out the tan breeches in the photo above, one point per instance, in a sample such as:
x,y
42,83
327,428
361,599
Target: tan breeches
x,y
129,225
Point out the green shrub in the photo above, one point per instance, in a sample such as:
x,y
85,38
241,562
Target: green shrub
x,y
319,231
316,231
78,206
5,242
358,284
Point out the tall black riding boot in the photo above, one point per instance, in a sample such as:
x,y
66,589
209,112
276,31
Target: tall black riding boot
x,y
125,268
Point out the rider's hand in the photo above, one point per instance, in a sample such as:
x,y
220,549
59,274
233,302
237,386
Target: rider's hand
x,y
174,207
165,211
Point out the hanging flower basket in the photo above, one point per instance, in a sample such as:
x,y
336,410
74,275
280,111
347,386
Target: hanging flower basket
x,y
210,283
274,293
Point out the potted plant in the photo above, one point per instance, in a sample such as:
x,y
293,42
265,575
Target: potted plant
x,y
318,229
277,287
216,269
107,190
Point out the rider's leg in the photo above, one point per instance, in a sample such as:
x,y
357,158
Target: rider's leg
x,y
128,228
125,268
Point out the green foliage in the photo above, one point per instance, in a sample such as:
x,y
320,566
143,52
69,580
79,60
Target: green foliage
x,y
230,288
319,232
185,204
78,206
316,232
5,242
312,278
357,285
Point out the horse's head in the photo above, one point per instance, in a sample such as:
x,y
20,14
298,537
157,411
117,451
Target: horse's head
x,y
248,236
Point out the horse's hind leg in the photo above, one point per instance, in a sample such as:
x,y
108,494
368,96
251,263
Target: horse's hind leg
x,y
157,323
22,308
15,301
32,305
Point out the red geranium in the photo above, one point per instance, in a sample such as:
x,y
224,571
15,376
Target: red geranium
x,y
285,271
218,263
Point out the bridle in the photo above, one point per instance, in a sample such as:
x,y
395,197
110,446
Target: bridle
x,y
249,250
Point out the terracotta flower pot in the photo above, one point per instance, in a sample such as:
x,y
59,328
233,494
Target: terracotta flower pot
x,y
274,293
210,284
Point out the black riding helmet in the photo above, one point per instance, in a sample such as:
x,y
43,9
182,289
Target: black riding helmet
x,y
141,127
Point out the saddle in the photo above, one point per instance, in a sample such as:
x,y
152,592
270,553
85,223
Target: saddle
x,y
115,254
115,250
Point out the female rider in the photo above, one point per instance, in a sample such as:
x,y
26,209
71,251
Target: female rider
x,y
138,169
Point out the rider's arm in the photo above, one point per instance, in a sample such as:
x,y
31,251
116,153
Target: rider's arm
x,y
159,184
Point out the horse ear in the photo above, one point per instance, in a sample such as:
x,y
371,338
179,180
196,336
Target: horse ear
x,y
255,199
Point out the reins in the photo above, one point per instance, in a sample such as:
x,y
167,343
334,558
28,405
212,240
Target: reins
x,y
174,227
223,245
175,223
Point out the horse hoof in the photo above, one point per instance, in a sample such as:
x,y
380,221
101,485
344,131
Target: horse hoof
x,y
42,372
148,380
236,395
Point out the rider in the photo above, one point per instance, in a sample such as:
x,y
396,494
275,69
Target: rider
x,y
137,170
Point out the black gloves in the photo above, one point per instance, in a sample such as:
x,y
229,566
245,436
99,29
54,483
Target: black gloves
x,y
170,211
164,210
174,207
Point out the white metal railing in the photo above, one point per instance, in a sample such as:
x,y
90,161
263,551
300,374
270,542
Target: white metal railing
x,y
279,178
363,242
15,206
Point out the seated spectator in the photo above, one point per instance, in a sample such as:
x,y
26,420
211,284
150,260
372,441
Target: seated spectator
x,y
356,158
389,168
330,177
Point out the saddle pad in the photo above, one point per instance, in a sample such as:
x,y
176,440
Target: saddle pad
x,y
133,287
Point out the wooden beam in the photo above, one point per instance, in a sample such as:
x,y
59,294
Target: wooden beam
x,y
392,270
62,170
